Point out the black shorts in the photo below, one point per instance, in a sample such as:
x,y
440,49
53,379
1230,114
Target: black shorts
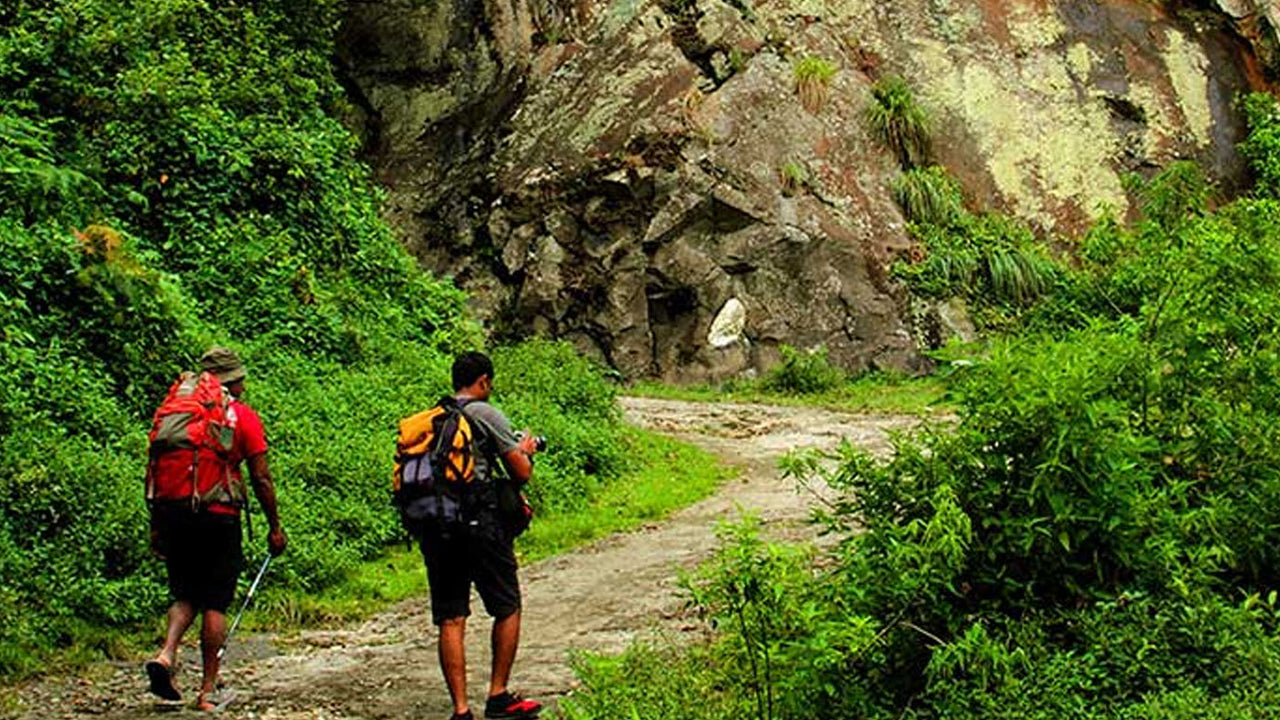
x,y
202,555
485,558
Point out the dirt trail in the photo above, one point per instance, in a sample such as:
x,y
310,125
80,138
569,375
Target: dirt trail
x,y
597,598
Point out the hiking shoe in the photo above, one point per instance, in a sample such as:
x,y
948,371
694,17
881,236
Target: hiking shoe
x,y
160,677
464,716
509,706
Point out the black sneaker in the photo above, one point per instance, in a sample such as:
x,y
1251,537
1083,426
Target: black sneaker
x,y
510,706
464,716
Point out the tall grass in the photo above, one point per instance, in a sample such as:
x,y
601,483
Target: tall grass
x,y
928,195
813,77
989,259
899,121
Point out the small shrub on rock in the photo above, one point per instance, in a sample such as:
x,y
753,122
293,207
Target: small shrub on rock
x,y
794,177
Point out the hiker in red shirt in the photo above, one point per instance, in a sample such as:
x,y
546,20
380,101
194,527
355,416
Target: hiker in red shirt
x,y
195,491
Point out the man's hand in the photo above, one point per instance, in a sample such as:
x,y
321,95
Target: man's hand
x,y
519,459
276,541
528,443
266,492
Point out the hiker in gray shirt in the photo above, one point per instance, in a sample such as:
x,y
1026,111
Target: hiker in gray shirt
x,y
483,553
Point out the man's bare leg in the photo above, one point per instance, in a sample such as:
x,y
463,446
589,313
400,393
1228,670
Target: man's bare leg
x,y
213,631
504,641
181,615
453,661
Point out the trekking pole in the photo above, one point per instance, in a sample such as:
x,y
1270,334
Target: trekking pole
x,y
244,606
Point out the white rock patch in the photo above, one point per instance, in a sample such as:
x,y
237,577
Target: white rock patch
x,y
727,328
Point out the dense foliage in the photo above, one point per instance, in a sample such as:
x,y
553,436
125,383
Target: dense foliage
x,y
1095,538
172,175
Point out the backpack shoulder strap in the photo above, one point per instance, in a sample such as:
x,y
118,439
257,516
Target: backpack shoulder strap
x,y
485,444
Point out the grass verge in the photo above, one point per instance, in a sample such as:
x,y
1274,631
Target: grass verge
x,y
872,393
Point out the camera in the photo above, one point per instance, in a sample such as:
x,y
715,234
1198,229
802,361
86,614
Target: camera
x,y
539,441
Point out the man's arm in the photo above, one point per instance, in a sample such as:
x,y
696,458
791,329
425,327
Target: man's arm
x,y
265,491
516,453
519,460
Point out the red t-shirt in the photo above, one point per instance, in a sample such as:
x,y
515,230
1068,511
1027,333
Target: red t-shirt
x,y
249,440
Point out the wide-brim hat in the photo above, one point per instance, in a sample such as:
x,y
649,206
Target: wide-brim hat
x,y
223,363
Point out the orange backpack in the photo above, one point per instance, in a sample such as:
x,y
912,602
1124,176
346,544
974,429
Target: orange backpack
x,y
190,445
434,467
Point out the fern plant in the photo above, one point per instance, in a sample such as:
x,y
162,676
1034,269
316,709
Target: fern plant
x,y
899,121
813,81
31,178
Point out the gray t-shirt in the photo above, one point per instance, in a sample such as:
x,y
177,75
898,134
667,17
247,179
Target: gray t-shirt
x,y
494,436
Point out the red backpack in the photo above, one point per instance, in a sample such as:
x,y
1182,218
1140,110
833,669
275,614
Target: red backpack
x,y
191,438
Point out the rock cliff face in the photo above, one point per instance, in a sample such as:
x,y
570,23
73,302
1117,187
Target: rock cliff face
x,y
643,179
1258,22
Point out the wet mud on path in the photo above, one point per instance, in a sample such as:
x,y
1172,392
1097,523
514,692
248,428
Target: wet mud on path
x,y
597,598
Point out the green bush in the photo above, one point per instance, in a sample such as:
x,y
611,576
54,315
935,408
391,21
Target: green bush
x,y
991,259
780,645
31,179
803,372
1262,147
551,390
1177,194
1117,493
